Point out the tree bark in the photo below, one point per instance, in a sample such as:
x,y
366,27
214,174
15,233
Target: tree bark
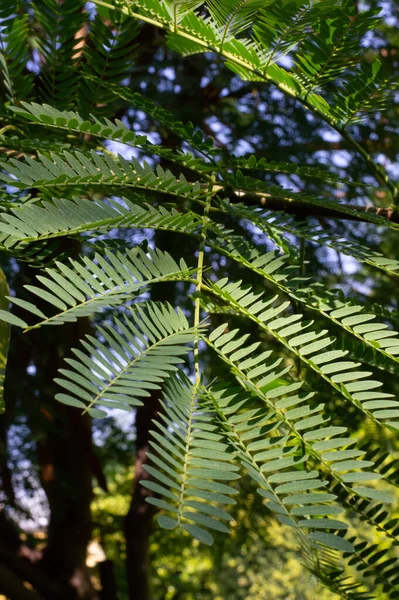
x,y
66,478
66,471
108,583
64,450
138,521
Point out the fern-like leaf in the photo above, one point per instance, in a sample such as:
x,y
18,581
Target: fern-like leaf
x,y
78,169
87,286
62,29
278,465
280,222
313,348
52,118
64,217
190,464
14,51
136,356
263,379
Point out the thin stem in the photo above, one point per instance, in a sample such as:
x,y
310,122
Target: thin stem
x,y
304,206
302,258
200,271
296,303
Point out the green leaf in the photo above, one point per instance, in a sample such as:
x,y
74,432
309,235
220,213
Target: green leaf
x,y
166,522
374,494
187,469
120,371
334,542
7,317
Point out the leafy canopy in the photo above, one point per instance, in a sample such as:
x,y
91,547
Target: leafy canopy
x,y
62,184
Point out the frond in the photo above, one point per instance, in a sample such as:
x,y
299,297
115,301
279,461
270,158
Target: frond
x,y
17,143
177,9
52,118
108,55
369,560
187,132
337,32
281,222
352,318
355,320
342,464
67,217
327,568
137,354
38,255
252,163
61,31
264,380
365,92
278,464
258,192
281,28
386,463
88,286
93,170
329,41
370,509
191,464
14,50
233,17
313,348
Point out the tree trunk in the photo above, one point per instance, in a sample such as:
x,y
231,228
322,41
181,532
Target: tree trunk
x,y
108,583
64,449
66,479
138,520
65,459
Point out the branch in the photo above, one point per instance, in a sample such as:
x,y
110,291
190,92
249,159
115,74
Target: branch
x,y
301,208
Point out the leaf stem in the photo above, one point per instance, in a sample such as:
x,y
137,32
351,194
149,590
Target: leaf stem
x,y
200,271
302,257
296,303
